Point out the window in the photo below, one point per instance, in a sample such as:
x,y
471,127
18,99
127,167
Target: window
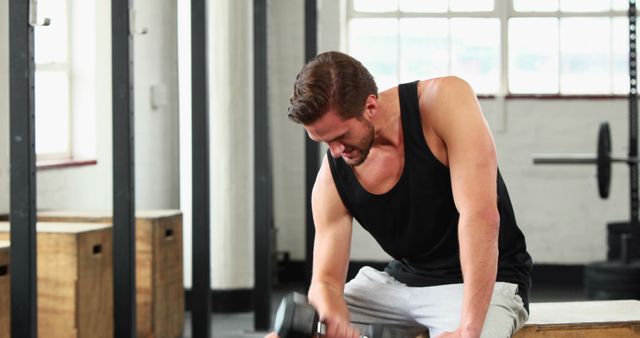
x,y
52,74
559,47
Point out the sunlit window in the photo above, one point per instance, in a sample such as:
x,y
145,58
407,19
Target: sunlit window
x,y
475,52
557,47
424,47
533,55
375,43
51,56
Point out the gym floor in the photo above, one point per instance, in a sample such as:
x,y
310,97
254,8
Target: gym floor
x,y
240,325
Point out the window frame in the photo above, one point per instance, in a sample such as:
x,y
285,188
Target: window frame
x,y
503,11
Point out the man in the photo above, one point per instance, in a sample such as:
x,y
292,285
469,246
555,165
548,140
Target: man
x,y
416,166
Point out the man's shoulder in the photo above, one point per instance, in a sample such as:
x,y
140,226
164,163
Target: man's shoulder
x,y
441,85
430,85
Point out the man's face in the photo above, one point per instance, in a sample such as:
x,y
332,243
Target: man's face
x,y
350,139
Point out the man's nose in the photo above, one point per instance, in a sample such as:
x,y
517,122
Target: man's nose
x,y
336,149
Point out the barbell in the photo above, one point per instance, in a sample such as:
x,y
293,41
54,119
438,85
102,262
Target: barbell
x,y
602,159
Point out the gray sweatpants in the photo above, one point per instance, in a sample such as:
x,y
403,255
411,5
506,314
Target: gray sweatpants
x,y
375,297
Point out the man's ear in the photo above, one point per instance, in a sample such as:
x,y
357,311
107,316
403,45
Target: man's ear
x,y
371,106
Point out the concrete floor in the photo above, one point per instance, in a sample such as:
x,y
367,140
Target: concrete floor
x,y
240,325
235,325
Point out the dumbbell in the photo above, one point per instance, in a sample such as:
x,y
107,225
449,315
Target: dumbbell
x,y
296,318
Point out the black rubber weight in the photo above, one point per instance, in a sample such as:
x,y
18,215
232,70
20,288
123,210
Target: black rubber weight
x,y
612,280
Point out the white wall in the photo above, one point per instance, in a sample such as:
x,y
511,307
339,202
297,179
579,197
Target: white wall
x,y
156,123
231,150
184,90
156,105
286,56
230,66
558,207
4,106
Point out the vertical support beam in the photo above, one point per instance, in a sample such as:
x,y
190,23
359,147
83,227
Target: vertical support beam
x,y
633,115
124,269
312,152
23,173
262,161
201,245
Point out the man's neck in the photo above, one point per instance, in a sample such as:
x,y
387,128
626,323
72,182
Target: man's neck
x,y
387,123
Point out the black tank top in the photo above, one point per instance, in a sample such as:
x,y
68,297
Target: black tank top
x,y
416,222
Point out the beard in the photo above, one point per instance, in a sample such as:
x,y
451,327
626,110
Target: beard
x,y
364,145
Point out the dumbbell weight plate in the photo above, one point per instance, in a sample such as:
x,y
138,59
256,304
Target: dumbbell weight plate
x,y
295,318
283,320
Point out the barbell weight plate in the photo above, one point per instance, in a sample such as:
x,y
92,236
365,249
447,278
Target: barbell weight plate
x,y
604,160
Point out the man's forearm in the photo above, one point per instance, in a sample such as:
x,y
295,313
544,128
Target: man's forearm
x,y
479,260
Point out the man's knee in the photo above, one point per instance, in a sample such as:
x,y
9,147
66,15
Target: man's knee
x,y
503,321
506,313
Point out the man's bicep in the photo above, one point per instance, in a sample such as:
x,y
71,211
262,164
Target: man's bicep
x,y
459,122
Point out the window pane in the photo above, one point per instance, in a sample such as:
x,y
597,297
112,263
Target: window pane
x,y
533,55
434,6
620,5
375,43
535,5
471,5
424,48
52,112
375,6
475,52
51,41
585,5
620,55
585,66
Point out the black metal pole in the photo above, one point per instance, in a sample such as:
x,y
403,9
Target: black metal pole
x,y
201,245
312,152
124,248
22,173
262,168
633,114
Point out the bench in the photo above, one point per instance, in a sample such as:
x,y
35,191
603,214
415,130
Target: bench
x,y
585,319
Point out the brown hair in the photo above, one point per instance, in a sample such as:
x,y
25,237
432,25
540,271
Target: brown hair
x,y
330,80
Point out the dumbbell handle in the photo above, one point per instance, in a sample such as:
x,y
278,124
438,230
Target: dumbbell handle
x,y
322,330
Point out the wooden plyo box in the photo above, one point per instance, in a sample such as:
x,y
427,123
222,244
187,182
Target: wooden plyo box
x,y
5,291
159,266
75,279
588,319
